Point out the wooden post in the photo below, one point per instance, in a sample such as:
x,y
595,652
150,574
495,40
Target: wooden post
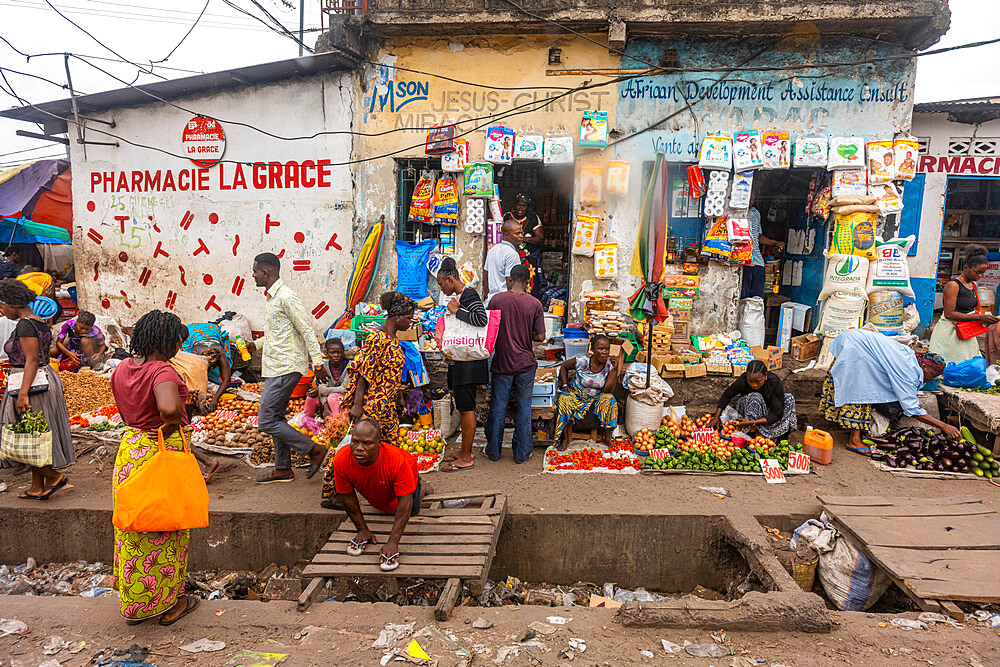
x,y
315,588
446,603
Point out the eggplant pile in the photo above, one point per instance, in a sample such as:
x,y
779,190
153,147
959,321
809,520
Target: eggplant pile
x,y
926,449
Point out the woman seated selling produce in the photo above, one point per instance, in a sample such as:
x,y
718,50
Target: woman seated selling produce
x,y
873,373
760,399
590,391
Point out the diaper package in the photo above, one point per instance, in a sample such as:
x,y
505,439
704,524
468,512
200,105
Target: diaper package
x,y
739,196
810,152
585,234
747,150
479,179
849,182
845,274
528,146
906,152
458,158
777,149
846,153
890,270
716,153
594,129
499,147
606,260
881,167
591,178
887,198
558,149
618,172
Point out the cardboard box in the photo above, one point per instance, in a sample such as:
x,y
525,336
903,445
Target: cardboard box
x,y
770,355
679,315
719,369
739,369
791,316
695,370
682,332
673,367
411,334
806,346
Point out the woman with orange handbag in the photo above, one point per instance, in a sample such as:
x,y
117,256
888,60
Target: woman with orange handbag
x,y
954,335
150,567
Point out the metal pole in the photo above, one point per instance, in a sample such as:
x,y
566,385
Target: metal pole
x,y
302,21
76,110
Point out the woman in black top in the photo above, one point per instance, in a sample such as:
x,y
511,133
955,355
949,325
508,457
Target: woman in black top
x,y
760,399
961,304
464,377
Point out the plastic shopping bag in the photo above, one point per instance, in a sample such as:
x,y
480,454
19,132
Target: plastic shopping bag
x,y
459,341
968,373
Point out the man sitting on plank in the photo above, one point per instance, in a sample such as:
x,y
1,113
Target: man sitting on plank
x,y
387,478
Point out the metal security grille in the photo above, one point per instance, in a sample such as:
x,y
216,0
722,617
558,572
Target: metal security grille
x,y
923,145
974,146
407,175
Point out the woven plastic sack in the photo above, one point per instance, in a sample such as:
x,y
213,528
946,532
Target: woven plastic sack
x,y
886,311
33,449
854,234
411,274
845,274
890,270
850,580
840,313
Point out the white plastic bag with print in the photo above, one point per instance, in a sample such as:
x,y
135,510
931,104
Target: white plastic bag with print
x,y
460,341
606,260
716,153
890,270
841,312
585,235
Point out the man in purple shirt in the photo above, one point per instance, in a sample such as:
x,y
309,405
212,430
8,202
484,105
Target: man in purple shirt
x,y
514,364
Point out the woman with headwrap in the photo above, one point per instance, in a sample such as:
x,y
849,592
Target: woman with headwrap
x,y
961,308
874,375
534,236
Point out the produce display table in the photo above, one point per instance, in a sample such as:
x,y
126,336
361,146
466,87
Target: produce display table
x,y
439,543
981,410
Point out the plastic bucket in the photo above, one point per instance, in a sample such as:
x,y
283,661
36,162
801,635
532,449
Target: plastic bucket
x,y
575,347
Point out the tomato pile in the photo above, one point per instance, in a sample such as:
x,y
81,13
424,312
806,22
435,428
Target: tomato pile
x,y
590,459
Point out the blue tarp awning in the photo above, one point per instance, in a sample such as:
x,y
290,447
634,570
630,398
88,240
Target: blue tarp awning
x,y
22,230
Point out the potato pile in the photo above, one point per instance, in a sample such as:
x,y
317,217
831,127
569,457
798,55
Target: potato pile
x,y
246,436
85,391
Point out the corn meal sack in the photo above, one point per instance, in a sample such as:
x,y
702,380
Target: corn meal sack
x,y
854,234
747,152
590,179
458,158
716,153
849,182
846,153
421,204
841,312
478,179
528,147
618,177
606,260
845,274
585,235
905,152
881,167
446,200
887,198
594,129
499,146
777,149
885,311
558,150
810,152
890,270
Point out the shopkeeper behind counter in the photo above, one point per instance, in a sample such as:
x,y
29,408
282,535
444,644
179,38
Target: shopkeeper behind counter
x,y
760,399
534,236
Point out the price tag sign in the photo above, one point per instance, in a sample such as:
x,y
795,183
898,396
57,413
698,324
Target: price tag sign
x,y
701,435
772,471
798,463
252,420
659,454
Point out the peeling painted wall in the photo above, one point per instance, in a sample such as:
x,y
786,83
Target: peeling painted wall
x,y
189,247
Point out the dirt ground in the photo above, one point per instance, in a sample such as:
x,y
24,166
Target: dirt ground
x,y
342,634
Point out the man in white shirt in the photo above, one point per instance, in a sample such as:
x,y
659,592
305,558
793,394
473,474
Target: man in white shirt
x,y
501,259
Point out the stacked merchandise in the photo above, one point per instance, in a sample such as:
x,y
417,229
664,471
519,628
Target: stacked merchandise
x,y
606,322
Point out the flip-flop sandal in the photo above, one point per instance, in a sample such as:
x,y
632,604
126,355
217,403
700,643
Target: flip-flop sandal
x,y
58,485
388,563
32,496
449,466
135,621
192,604
863,450
357,548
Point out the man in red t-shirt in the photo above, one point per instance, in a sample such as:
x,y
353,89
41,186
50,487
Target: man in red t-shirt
x,y
386,477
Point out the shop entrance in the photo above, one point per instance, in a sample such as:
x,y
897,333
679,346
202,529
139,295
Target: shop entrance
x,y
971,215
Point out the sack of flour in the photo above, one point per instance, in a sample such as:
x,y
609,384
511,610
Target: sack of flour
x,y
890,270
846,274
841,312
886,310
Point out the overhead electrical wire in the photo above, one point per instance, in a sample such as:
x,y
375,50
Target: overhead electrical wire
x,y
190,30
29,56
27,150
265,23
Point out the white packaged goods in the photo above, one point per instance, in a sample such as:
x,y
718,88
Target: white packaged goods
x,y
738,229
716,153
475,216
747,150
499,146
584,235
777,149
810,152
458,158
849,182
845,274
618,177
739,197
846,153
887,198
606,260
885,311
849,579
881,167
890,270
841,312
558,150
528,147
715,195
906,151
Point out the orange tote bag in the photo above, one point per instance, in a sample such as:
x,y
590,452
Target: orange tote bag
x,y
167,493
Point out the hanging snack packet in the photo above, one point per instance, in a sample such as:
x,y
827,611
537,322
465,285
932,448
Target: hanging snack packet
x,y
590,178
594,129
810,152
716,153
854,234
446,200
747,150
776,147
742,253
528,147
716,245
696,181
558,150
440,140
458,158
890,270
585,234
421,204
606,260
618,177
478,179
499,146
846,153
905,151
887,198
881,167
849,182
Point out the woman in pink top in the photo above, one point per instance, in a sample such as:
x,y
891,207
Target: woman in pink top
x,y
150,568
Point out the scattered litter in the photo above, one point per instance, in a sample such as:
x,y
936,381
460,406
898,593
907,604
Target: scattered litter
x,y
456,503
671,647
541,628
54,644
3,486
930,618
577,644
638,595
528,634
505,654
908,624
95,592
11,626
134,655
601,601
449,641
51,662
247,658
557,620
646,654
707,650
392,633
301,634
220,612
77,648
414,650
992,620
482,623
203,646
719,637
715,490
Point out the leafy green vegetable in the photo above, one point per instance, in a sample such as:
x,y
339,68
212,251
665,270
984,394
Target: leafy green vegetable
x,y
31,422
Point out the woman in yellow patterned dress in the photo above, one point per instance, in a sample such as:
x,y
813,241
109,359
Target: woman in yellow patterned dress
x,y
150,568
376,376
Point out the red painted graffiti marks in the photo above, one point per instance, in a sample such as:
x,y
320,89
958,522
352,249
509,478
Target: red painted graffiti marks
x,y
183,277
212,304
207,279
332,243
144,276
122,219
171,300
268,223
125,297
187,220
301,265
202,248
238,285
160,252
299,237
236,244
94,236
320,309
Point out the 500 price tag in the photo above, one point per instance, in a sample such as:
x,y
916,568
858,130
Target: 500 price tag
x,y
798,463
772,471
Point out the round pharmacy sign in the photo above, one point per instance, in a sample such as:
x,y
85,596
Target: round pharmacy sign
x,y
203,141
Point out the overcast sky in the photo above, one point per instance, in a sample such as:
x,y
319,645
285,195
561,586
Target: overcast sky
x,y
225,39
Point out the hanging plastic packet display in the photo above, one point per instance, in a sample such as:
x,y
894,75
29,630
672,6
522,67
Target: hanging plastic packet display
x,y
739,196
446,200
776,149
618,173
528,147
421,204
810,152
594,129
846,153
905,153
715,197
499,146
716,152
458,158
881,167
590,178
747,150
558,149
478,179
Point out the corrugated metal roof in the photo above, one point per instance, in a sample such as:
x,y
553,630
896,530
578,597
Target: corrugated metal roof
x,y
192,85
972,103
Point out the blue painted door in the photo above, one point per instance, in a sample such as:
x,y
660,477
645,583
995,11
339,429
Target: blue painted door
x,y
909,219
